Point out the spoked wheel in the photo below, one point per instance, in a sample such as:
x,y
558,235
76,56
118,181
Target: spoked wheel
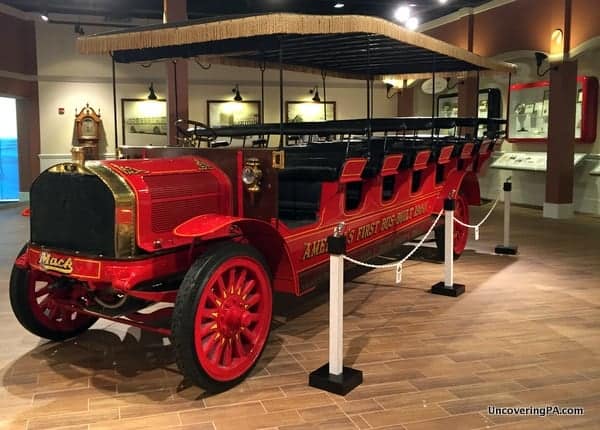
x,y
37,300
461,233
222,316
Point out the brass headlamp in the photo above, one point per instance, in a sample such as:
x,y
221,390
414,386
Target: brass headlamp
x,y
252,175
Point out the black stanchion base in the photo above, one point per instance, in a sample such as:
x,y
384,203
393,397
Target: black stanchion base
x,y
506,250
453,291
337,384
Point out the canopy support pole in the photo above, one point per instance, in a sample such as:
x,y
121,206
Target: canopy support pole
x,y
114,91
433,100
262,92
323,76
280,93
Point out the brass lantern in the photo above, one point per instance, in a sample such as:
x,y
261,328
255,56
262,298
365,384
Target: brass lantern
x,y
252,175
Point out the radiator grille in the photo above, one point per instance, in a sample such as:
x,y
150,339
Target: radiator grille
x,y
74,212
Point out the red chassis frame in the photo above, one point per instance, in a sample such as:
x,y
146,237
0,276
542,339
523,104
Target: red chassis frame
x,y
295,256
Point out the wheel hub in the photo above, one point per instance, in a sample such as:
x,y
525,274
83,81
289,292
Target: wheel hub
x,y
232,316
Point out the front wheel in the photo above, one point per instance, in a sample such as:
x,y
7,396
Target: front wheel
x,y
39,301
461,233
222,316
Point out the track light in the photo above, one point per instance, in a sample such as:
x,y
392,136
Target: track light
x,y
152,95
412,23
402,14
44,16
79,29
236,91
339,5
316,98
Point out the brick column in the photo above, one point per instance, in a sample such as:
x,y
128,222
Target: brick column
x,y
561,140
177,73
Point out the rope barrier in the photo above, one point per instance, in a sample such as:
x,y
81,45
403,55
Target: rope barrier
x,y
398,264
477,226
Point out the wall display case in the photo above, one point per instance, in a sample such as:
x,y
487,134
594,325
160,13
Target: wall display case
x,y
144,122
531,161
224,113
488,106
529,105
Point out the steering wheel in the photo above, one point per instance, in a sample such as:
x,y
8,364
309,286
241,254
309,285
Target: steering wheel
x,y
199,133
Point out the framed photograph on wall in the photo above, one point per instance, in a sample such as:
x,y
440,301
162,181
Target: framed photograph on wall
x,y
226,113
309,111
144,122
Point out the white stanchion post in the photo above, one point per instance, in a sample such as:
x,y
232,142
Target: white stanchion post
x,y
448,287
333,376
336,314
506,248
449,246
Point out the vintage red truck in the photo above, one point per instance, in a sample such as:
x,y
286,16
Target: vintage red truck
x,y
190,242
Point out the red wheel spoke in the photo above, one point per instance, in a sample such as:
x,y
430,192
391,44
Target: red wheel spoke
x,y
42,291
210,314
248,287
251,317
222,287
239,348
218,354
253,300
227,356
53,309
240,281
207,329
211,295
251,336
231,281
210,343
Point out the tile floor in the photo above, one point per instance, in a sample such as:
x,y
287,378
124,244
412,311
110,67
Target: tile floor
x,y
527,332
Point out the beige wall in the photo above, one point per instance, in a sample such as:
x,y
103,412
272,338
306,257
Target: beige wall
x,y
70,80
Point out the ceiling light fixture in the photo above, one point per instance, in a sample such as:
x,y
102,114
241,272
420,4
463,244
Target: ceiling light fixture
x,y
412,23
152,94
236,90
443,1
339,5
79,29
44,16
402,14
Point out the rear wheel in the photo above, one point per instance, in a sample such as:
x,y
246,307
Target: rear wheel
x,y
38,301
461,233
222,316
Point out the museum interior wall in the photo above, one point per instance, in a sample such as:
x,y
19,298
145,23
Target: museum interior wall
x,y
513,32
69,80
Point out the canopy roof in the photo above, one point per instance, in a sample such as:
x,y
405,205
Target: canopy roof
x,y
341,45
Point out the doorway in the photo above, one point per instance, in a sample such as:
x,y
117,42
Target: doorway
x,y
9,154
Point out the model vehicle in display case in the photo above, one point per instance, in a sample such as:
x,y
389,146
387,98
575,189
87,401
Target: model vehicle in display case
x,y
190,242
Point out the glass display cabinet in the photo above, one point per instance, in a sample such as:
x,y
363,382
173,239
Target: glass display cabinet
x,y
488,106
528,109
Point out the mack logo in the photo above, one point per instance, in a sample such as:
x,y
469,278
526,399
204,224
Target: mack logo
x,y
62,265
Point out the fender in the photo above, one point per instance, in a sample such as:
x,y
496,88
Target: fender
x,y
460,181
261,235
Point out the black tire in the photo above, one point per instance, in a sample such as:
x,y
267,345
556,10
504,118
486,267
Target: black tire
x,y
185,309
21,306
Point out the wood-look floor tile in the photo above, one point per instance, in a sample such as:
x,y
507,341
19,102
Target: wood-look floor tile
x,y
402,416
455,422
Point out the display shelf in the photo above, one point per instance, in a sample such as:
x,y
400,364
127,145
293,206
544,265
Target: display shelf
x,y
529,161
529,108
